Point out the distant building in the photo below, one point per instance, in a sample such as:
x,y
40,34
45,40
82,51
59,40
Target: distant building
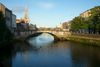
x,y
66,26
21,25
18,20
86,14
32,27
59,26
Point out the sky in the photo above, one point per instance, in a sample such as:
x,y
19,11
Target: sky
x,y
50,13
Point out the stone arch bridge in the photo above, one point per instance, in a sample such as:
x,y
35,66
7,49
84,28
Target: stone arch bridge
x,y
58,35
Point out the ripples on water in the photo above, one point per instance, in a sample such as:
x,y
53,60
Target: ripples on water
x,y
49,54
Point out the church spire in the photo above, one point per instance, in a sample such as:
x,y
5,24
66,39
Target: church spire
x,y
26,17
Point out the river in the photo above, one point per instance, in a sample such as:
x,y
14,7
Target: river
x,y
41,51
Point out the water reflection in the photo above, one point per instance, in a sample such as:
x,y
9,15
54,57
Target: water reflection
x,y
59,54
5,56
43,39
47,56
85,56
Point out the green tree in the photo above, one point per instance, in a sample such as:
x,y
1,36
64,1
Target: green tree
x,y
95,19
79,23
91,23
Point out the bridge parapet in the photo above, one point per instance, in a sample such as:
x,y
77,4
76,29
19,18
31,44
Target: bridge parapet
x,y
57,32
58,35
62,34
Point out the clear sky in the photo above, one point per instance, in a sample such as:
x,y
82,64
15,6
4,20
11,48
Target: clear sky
x,y
50,13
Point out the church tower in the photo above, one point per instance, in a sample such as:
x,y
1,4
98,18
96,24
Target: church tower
x,y
26,15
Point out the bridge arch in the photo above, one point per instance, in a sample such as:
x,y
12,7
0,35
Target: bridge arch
x,y
39,33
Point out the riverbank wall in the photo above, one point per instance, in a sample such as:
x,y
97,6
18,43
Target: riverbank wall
x,y
88,39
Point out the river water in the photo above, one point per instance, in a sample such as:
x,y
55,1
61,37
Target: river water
x,y
41,51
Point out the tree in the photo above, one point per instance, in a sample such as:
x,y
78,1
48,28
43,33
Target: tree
x,y
79,24
91,23
95,19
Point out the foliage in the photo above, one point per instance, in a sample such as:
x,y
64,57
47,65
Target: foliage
x,y
95,18
90,24
78,23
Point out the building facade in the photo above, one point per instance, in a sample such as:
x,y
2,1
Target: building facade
x,y
33,27
21,25
2,9
86,14
66,26
9,17
14,26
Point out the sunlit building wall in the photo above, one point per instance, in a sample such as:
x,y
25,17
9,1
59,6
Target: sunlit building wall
x,y
2,9
86,14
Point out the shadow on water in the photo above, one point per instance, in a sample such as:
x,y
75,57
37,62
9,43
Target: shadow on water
x,y
6,55
59,54
10,50
85,56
